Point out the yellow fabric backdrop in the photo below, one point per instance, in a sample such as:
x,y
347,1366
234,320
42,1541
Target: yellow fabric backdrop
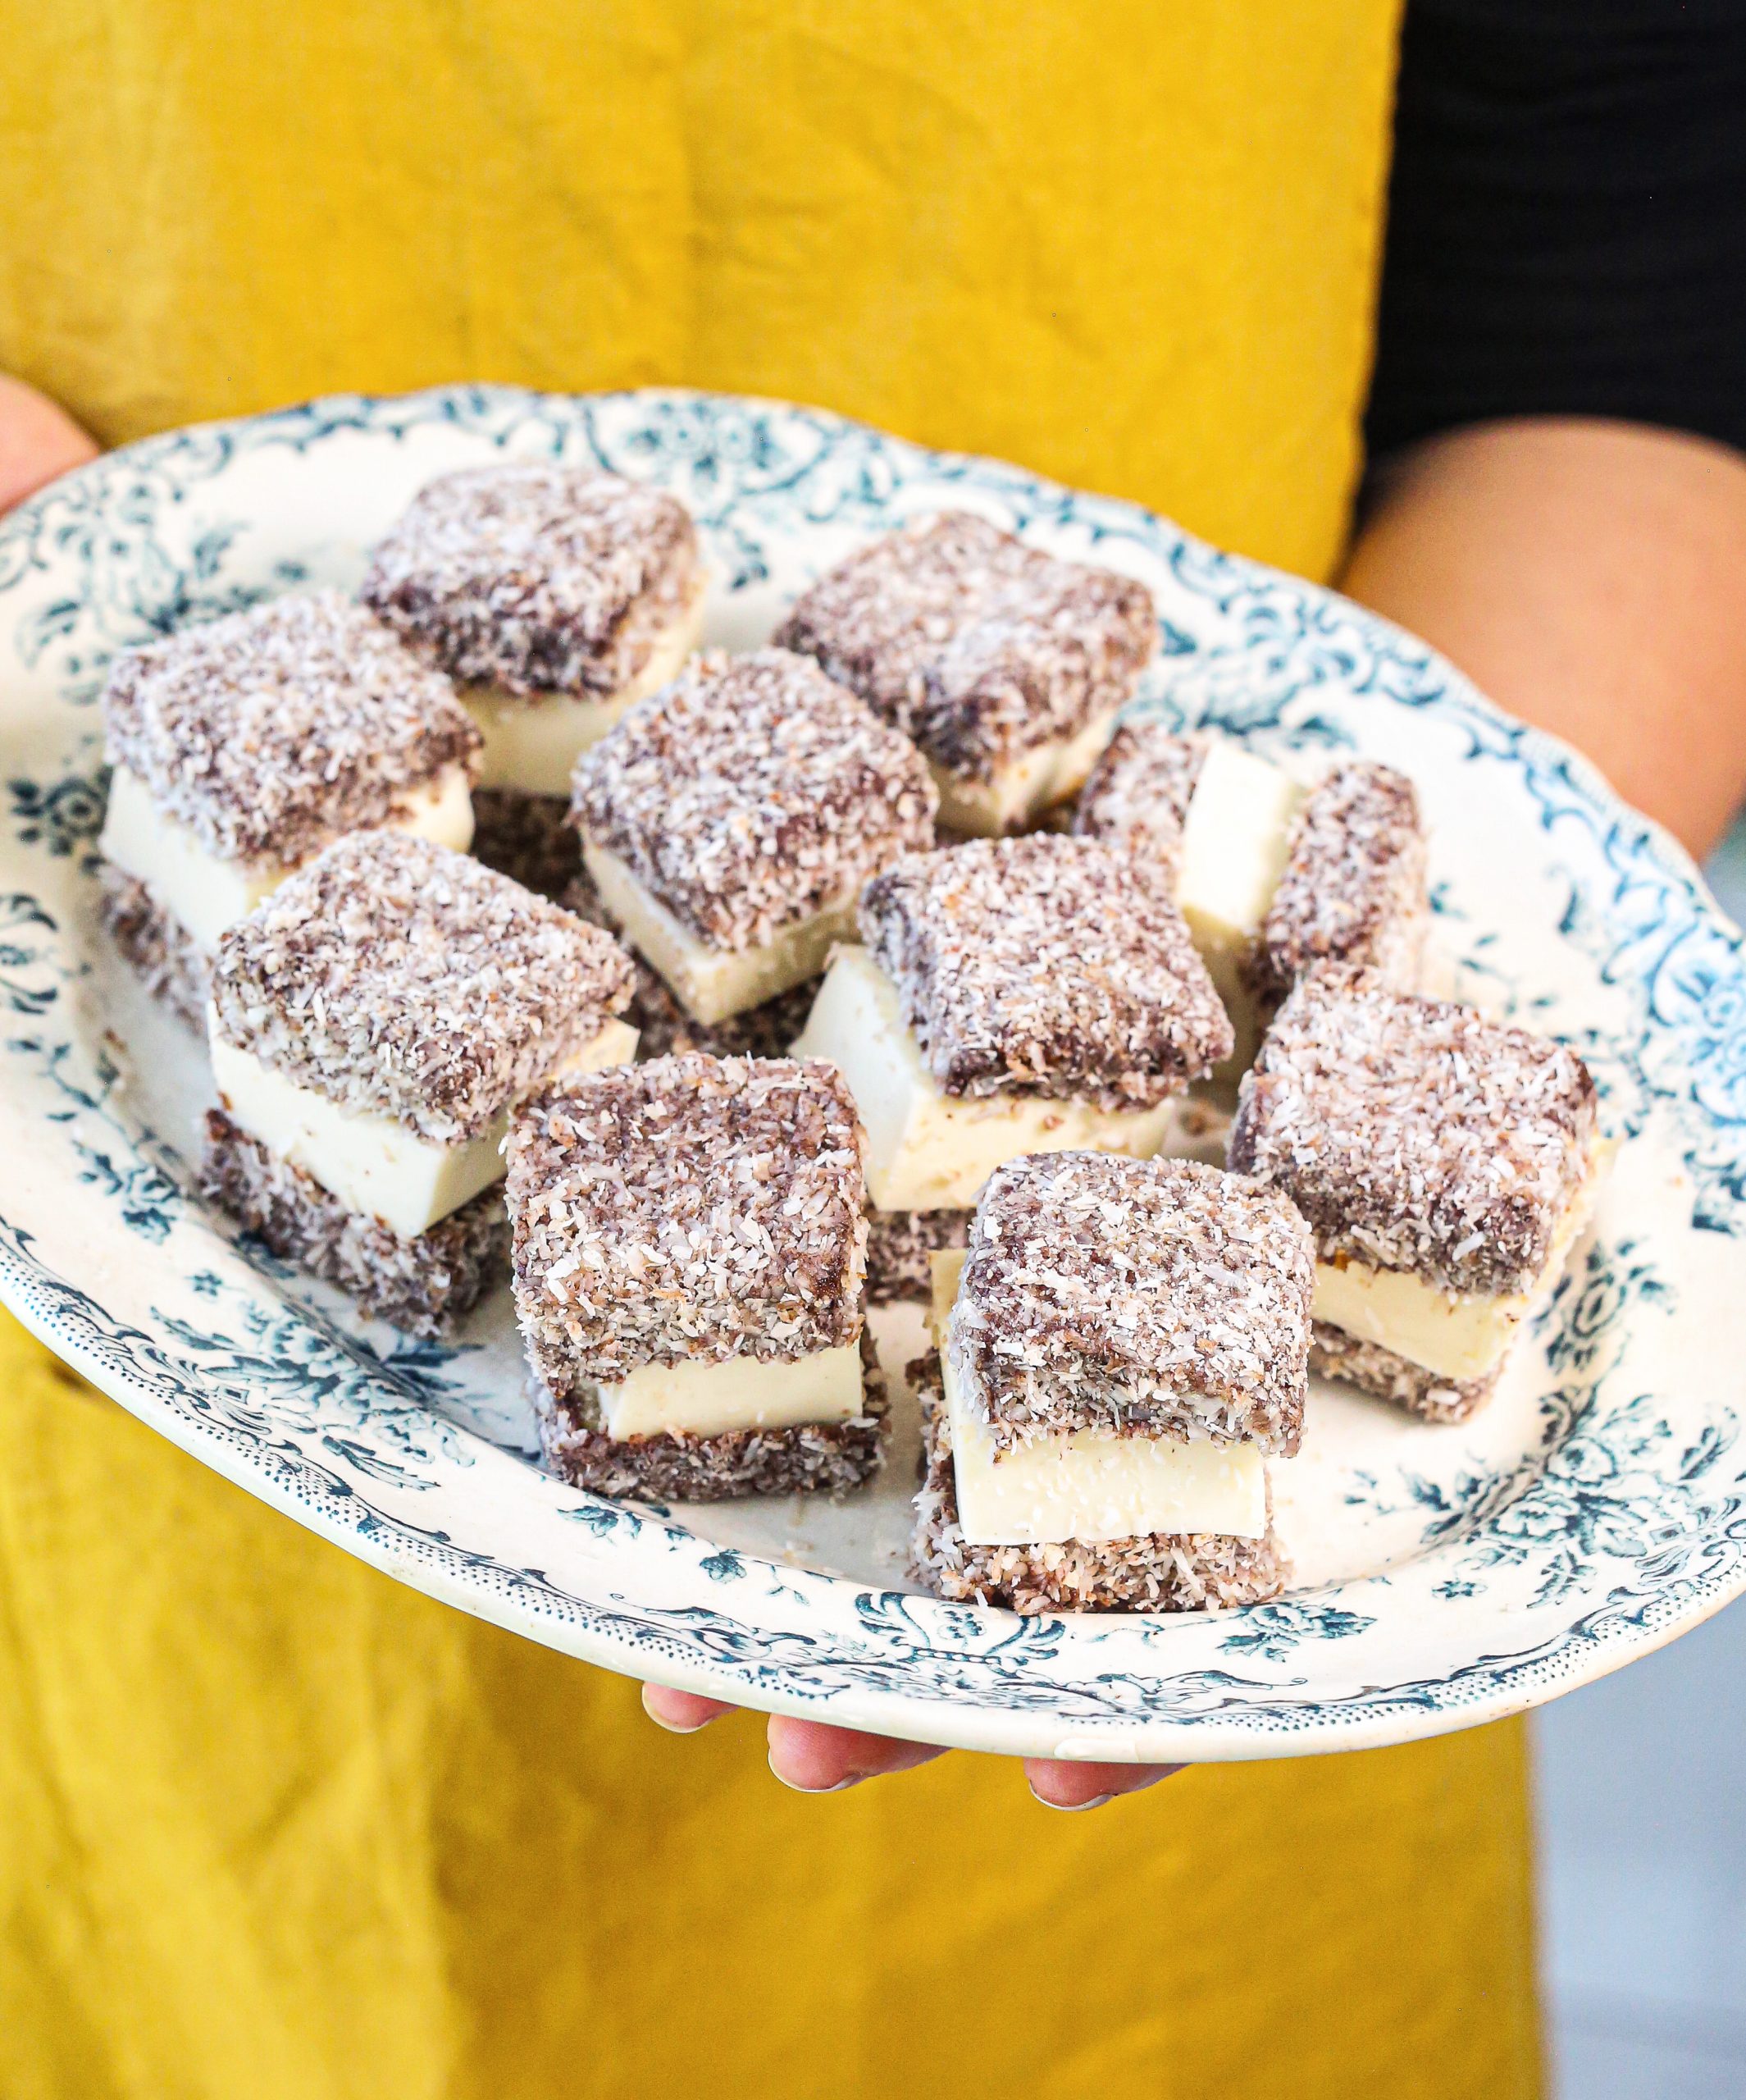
x,y
1133,244
269,1825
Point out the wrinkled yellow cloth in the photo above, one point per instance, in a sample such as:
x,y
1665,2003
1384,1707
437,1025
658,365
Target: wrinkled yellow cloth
x,y
1132,244
271,1825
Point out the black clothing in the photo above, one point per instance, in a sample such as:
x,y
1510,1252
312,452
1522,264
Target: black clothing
x,y
1567,218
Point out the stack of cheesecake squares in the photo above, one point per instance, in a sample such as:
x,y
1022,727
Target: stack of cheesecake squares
x,y
713,999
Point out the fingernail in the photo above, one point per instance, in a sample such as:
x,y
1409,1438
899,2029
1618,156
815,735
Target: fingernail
x,y
1071,1808
842,1787
676,1728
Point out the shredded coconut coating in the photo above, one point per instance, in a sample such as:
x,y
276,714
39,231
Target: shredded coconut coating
x,y
1046,965
810,1457
534,577
1138,792
901,1245
396,977
170,963
1153,1297
421,1285
1192,1571
694,1209
1333,1353
1353,889
975,646
268,732
752,793
1414,1134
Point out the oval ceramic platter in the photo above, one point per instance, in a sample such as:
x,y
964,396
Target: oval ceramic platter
x,y
1445,1575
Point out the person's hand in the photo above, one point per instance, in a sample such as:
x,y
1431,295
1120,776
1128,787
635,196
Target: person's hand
x,y
38,440
815,1759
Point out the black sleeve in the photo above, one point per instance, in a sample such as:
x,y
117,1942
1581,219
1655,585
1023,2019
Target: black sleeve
x,y
1567,218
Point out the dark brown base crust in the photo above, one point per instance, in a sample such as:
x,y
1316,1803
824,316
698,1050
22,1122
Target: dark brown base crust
x,y
1194,1571
900,1245
1373,1369
665,1030
421,1286
174,968
527,837
810,1459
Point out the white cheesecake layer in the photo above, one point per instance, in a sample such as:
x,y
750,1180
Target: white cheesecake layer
x,y
1235,841
204,894
926,1150
375,1164
711,1400
531,744
1088,1484
712,984
1035,781
1456,1336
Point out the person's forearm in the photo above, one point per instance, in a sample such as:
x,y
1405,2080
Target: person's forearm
x,y
1590,577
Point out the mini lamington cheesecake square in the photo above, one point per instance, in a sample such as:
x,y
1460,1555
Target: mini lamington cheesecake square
x,y
1007,666
1353,887
690,1276
1151,1571
729,823
239,749
372,1026
556,597
1015,995
1273,876
1447,1164
1122,1347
